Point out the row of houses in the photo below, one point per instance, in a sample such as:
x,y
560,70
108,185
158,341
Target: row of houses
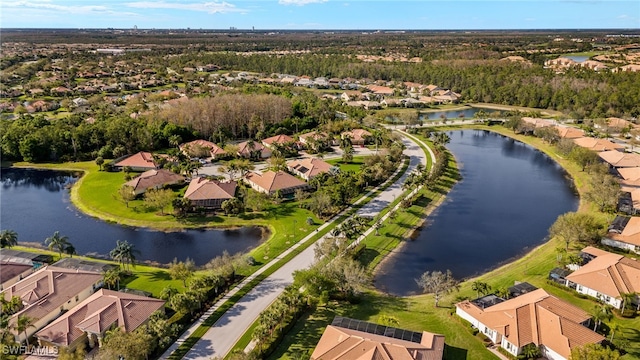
x,y
65,301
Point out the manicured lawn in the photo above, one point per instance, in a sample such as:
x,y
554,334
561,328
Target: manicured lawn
x,y
354,165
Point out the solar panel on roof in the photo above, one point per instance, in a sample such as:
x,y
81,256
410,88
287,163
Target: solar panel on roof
x,y
372,328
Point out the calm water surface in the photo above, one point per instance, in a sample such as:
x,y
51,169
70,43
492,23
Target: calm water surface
x,y
509,195
35,203
453,114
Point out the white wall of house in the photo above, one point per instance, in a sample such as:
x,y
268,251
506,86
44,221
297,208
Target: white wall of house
x,y
617,303
550,354
511,348
490,333
621,245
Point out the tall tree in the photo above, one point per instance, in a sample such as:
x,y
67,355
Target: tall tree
x,y
574,227
124,253
158,199
23,324
480,287
583,156
181,270
604,191
57,242
438,283
126,194
602,312
8,238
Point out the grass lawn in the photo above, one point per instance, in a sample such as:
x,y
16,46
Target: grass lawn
x,y
354,165
145,278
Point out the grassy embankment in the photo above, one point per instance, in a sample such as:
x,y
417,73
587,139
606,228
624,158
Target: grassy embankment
x,y
95,194
418,312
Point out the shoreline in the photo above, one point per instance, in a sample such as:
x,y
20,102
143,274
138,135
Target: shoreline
x,y
526,254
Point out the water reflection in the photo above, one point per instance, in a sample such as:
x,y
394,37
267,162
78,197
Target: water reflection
x,y
35,203
509,195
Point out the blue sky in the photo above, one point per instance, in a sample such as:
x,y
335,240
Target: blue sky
x,y
321,14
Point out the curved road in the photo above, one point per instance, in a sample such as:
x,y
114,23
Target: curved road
x,y
223,335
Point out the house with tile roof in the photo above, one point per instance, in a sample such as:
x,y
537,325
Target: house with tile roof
x,y
568,132
191,148
618,159
630,178
90,320
357,136
597,144
141,161
536,318
153,179
537,122
253,150
349,339
624,233
271,182
209,194
308,168
48,293
606,276
278,139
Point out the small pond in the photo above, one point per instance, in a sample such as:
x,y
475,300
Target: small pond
x,y
508,197
35,204
467,113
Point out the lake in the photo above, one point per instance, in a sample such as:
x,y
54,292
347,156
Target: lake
x,y
35,204
509,196
467,113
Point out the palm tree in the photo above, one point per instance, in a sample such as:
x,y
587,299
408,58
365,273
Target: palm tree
x,y
58,242
627,299
531,351
615,327
124,253
24,323
376,135
112,278
70,250
175,140
480,287
8,238
603,312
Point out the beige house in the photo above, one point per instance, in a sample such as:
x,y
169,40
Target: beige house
x,y
357,136
210,194
214,150
89,321
153,179
349,339
537,122
606,277
308,168
278,139
49,292
568,132
271,182
536,318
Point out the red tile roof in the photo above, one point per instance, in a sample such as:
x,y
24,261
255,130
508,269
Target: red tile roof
x,y
99,313
141,159
204,189
609,274
597,144
273,181
309,167
215,149
278,139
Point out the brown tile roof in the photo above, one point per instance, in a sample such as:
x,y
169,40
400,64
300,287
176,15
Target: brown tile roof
x,y
609,274
99,313
357,134
381,90
278,139
313,135
215,149
597,144
46,290
619,123
539,318
243,147
141,159
204,189
11,270
630,173
568,132
620,159
630,234
274,181
338,343
537,122
309,167
153,178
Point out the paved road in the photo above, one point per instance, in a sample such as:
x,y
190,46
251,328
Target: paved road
x,y
221,337
375,206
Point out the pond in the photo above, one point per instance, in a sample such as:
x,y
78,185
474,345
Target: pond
x,y
508,197
577,58
35,204
467,113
